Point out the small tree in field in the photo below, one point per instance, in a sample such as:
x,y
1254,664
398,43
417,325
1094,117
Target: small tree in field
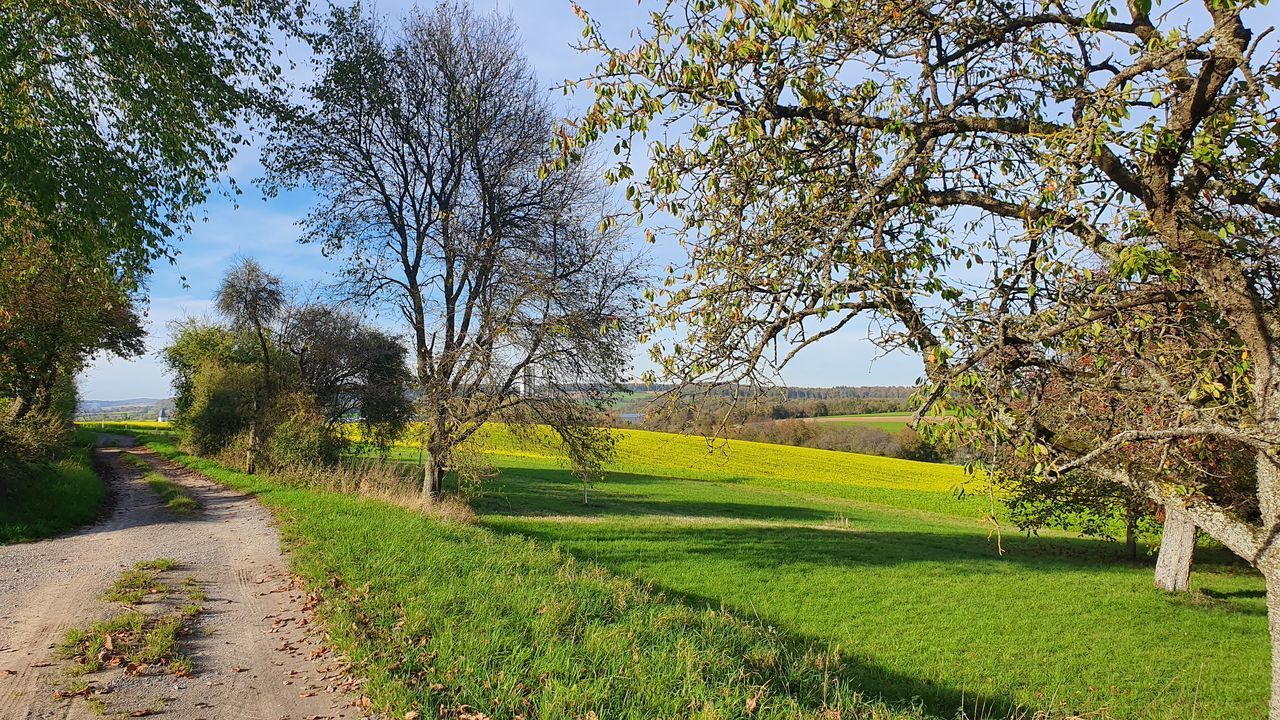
x,y
1037,198
428,153
251,299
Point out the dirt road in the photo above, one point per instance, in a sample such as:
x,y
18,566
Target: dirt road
x,y
253,653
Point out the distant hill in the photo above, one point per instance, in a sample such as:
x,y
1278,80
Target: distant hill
x,y
839,392
129,409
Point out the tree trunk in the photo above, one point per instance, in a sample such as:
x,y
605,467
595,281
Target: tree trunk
x,y
17,408
251,453
1177,549
1131,536
432,478
256,426
1273,623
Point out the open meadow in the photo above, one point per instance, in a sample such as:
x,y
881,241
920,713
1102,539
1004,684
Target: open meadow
x,y
870,558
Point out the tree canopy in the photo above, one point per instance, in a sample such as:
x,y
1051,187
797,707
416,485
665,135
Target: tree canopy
x,y
116,117
429,147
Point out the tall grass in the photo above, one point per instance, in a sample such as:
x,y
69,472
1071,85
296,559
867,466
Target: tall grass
x,y
50,499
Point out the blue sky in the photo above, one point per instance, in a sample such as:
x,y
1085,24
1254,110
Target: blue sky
x,y
264,229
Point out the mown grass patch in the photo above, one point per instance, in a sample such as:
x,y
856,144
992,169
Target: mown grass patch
x,y
51,499
908,578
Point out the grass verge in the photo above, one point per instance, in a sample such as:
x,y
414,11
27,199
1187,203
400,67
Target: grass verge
x,y
175,497
51,499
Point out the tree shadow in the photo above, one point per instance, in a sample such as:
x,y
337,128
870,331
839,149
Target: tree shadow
x,y
777,547
540,492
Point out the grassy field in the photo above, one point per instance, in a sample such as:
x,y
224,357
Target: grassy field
x,y
458,621
889,422
50,500
872,556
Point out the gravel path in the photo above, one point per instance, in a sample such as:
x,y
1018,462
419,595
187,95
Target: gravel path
x,y
253,651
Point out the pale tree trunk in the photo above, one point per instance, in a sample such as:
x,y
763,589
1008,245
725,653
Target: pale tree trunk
x,y
251,453
1273,625
1265,557
432,478
17,408
1177,549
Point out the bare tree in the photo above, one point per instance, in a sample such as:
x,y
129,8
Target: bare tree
x,y
429,153
252,299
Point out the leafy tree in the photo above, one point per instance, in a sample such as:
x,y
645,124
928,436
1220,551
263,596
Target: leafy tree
x,y
55,315
350,368
116,116
1006,190
252,299
285,375
428,152
195,343
222,406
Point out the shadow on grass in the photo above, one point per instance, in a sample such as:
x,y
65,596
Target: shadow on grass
x,y
769,547
533,492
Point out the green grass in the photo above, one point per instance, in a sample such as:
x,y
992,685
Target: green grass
x,y
175,497
136,584
50,500
871,560
133,639
877,556
465,617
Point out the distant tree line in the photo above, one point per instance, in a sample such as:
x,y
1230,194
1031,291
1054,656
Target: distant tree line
x,y
768,417
844,437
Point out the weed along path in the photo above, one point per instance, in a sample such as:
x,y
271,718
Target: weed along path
x,y
177,605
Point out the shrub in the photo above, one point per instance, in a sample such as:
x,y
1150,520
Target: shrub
x,y
35,438
302,436
221,407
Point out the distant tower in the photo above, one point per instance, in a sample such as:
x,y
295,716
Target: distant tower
x,y
164,416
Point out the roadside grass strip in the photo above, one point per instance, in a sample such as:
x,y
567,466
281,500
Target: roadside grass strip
x,y
51,499
176,498
141,639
